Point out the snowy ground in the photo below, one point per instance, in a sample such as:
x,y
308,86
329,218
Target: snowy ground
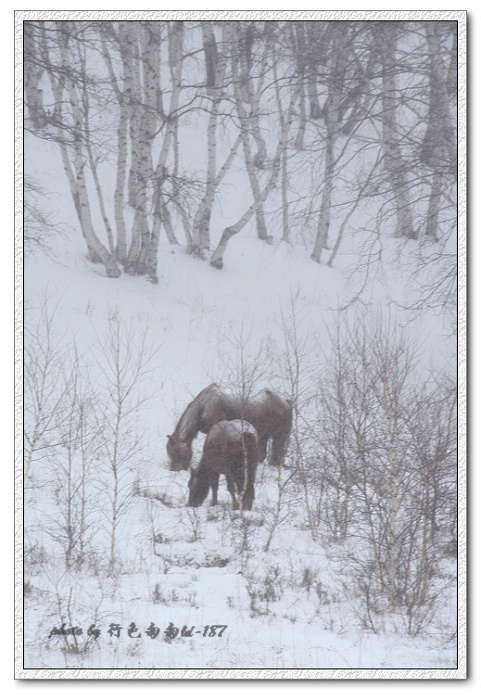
x,y
182,566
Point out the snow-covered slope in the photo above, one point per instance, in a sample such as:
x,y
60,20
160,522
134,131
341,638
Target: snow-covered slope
x,y
184,566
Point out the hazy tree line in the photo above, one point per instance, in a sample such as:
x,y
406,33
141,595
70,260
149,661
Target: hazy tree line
x,y
333,123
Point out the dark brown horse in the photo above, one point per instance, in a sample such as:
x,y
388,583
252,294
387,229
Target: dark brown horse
x,y
231,448
270,415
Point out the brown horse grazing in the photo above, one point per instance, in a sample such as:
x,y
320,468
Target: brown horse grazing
x,y
270,415
231,448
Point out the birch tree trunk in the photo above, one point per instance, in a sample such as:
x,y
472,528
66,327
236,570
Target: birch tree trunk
x,y
150,58
313,44
394,163
297,41
215,63
76,172
434,206
140,43
146,36
218,254
284,175
32,75
438,149
161,211
249,120
123,94
217,259
85,106
337,65
215,72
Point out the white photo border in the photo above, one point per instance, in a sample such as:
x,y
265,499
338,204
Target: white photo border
x,y
240,674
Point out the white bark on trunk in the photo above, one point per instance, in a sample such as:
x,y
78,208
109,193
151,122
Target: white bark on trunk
x,y
393,160
150,63
175,43
215,78
338,62
284,177
438,149
218,254
32,76
297,40
81,57
123,96
146,186
143,41
249,123
434,206
203,213
299,143
76,174
134,100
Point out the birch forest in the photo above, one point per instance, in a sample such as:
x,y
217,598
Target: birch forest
x,y
338,127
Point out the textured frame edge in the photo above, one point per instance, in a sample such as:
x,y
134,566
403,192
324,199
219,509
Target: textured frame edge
x,y
243,674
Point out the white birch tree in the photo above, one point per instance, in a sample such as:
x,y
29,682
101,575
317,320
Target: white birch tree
x,y
438,148
217,258
247,102
338,59
394,161
71,130
215,69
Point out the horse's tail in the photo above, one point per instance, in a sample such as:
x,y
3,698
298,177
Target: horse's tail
x,y
251,444
250,461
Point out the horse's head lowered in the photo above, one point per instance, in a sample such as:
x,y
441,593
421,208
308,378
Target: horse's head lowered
x,y
180,453
198,486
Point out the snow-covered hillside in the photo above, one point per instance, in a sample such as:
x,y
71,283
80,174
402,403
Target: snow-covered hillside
x,y
287,608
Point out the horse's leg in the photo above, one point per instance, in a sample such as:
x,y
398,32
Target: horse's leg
x,y
280,436
263,446
250,466
279,444
231,487
249,496
214,485
276,449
